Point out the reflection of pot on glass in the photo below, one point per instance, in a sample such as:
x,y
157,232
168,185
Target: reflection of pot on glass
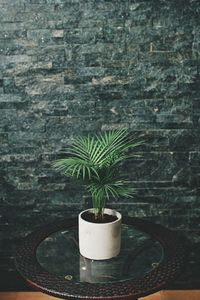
x,y
141,259
95,271
59,254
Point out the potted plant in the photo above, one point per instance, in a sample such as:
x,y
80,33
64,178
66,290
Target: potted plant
x,y
96,160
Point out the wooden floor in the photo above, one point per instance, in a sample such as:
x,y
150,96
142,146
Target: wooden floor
x,y
163,295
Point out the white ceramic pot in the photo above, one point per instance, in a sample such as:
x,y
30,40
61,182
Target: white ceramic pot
x,y
100,240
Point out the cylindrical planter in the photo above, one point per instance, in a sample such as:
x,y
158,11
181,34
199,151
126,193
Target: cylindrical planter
x,y
100,240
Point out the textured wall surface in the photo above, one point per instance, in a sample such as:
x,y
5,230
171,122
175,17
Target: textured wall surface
x,y
70,67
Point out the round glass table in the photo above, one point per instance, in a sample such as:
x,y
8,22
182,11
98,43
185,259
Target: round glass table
x,y
150,257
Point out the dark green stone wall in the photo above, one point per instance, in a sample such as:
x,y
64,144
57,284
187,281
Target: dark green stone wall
x,y
70,67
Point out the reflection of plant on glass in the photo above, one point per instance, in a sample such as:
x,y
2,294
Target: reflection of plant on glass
x,y
96,161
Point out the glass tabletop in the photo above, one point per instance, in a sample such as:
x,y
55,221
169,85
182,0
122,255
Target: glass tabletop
x,y
59,254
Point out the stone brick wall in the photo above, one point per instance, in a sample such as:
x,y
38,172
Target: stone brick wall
x,y
70,67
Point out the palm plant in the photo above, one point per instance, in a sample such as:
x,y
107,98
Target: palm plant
x,y
96,161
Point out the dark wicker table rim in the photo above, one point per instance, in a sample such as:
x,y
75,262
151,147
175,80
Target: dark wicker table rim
x,y
173,261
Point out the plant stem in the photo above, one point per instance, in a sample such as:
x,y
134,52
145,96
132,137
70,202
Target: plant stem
x,y
98,206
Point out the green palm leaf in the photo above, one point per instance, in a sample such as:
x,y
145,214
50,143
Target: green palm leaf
x,y
96,160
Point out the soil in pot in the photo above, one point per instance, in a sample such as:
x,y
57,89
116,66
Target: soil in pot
x,y
90,217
